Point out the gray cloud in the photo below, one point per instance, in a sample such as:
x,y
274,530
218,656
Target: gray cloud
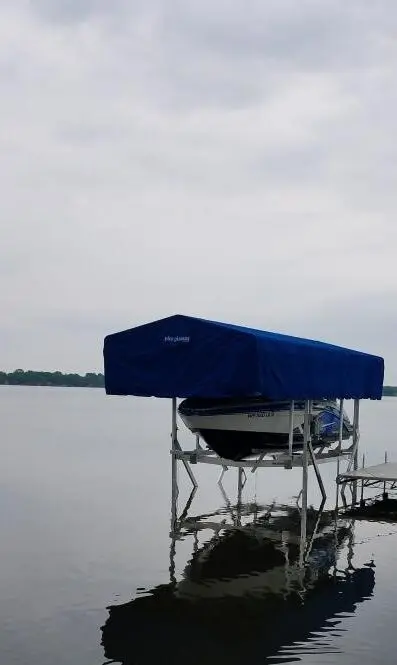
x,y
367,323
230,160
72,11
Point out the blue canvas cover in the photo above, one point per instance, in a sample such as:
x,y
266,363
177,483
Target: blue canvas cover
x,y
183,356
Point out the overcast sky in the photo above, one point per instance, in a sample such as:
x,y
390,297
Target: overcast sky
x,y
227,159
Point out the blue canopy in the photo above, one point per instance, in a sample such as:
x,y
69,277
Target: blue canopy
x,y
183,356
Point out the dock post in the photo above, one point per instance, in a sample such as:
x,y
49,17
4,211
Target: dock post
x,y
362,504
341,403
305,462
385,495
239,485
356,438
291,430
174,467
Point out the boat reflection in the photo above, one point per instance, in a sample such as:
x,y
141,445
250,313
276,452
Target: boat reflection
x,y
243,597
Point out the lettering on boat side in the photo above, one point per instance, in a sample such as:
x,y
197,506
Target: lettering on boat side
x,y
176,339
261,414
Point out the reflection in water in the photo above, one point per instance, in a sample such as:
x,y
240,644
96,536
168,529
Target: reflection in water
x,y
244,598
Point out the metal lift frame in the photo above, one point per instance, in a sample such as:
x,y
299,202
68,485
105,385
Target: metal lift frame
x,y
309,456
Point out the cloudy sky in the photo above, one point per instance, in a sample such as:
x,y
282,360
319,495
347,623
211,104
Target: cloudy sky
x,y
231,159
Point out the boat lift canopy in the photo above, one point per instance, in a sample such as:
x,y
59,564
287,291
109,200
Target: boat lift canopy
x,y
183,356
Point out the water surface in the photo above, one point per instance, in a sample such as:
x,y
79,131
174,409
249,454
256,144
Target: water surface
x,y
89,572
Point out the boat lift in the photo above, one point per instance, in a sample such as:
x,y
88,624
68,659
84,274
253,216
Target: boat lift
x,y
183,356
309,455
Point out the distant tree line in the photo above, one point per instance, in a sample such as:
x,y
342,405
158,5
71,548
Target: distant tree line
x,y
90,380
390,391
34,378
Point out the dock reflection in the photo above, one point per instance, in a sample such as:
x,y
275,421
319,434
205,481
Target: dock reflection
x,y
243,597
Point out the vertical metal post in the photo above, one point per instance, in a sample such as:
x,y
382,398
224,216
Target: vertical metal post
x,y
195,542
350,548
384,484
356,438
341,403
174,466
239,495
305,460
362,489
291,428
285,551
172,560
239,485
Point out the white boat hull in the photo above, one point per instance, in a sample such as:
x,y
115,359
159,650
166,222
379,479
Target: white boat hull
x,y
237,430
258,421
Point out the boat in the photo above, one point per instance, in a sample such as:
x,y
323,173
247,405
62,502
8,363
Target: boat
x,y
239,428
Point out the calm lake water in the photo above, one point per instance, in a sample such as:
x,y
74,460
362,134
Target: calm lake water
x,y
89,573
